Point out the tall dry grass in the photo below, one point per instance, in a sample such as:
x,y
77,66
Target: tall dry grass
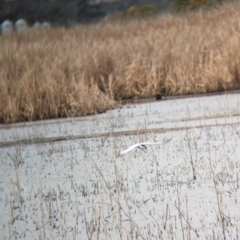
x,y
82,70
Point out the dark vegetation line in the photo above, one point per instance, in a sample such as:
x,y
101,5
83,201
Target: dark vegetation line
x,y
68,12
165,98
100,135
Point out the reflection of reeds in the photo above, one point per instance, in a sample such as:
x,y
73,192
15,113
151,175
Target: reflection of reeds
x,y
219,200
81,70
111,199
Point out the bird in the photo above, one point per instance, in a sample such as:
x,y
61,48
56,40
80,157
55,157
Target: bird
x,y
141,146
159,97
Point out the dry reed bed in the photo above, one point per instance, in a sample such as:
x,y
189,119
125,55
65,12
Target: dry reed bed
x,y
82,70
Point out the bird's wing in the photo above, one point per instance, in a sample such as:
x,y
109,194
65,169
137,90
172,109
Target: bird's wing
x,y
143,144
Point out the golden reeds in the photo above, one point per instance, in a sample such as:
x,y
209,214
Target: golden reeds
x,y
82,70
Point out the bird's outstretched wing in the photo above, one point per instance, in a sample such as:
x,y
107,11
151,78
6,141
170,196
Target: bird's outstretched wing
x,y
141,145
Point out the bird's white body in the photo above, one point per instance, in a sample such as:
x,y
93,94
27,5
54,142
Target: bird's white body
x,y
141,145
